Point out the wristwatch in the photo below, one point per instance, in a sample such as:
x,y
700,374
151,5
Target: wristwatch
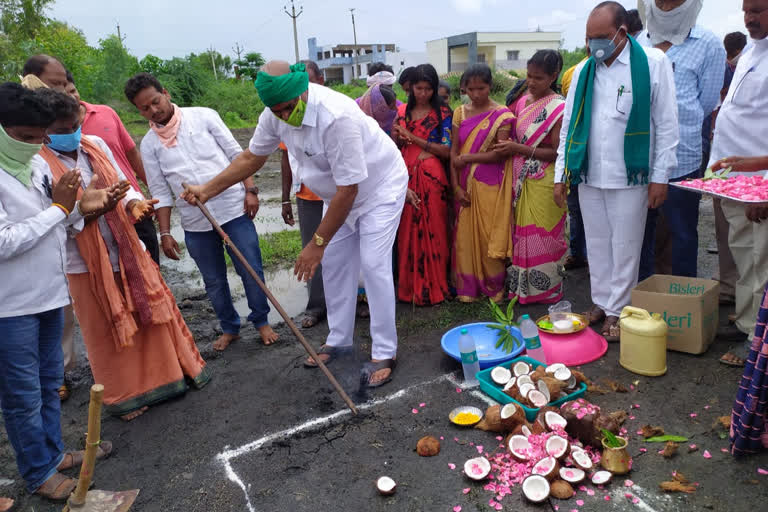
x,y
253,190
319,241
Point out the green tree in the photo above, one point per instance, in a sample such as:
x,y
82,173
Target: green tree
x,y
249,65
151,64
20,22
114,66
572,57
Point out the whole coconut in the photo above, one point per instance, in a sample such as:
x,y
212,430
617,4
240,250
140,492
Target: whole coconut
x,y
491,421
561,490
428,446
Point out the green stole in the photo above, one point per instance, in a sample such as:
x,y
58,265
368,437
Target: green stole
x,y
637,137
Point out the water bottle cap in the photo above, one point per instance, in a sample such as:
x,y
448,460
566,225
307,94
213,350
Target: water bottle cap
x,y
463,331
525,317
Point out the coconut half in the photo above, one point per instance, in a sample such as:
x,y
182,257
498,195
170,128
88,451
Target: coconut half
x,y
525,389
500,375
478,468
557,447
554,421
519,447
521,368
536,488
563,374
602,477
542,385
511,416
386,486
524,379
537,398
581,459
546,467
573,475
510,384
551,369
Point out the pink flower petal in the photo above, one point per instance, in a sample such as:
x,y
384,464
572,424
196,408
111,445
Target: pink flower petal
x,y
457,508
628,495
628,483
692,447
442,438
639,432
635,406
632,417
724,450
693,415
458,390
707,455
632,387
498,506
590,492
451,465
706,407
466,490
557,507
422,404
415,411
580,503
762,471
607,498
479,448
499,438
643,450
635,500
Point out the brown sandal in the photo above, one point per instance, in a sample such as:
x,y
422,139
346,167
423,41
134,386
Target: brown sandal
x,y
611,330
75,459
57,488
594,315
64,393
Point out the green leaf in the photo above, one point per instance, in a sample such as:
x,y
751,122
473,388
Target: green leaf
x,y
722,435
664,439
511,309
497,313
610,439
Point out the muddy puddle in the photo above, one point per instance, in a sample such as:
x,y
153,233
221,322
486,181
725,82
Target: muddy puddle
x,y
185,280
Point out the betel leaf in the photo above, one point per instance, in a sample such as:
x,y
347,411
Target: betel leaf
x,y
511,309
664,439
611,441
497,312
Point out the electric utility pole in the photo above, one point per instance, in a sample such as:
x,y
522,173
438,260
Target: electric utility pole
x,y
293,15
119,34
354,34
213,63
238,50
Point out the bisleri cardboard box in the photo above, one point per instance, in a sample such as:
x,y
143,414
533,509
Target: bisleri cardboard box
x,y
690,306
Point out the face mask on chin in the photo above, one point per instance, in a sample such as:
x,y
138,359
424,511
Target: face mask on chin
x,y
297,115
602,49
65,141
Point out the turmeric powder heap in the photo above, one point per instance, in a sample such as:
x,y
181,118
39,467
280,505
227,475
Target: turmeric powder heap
x,y
466,418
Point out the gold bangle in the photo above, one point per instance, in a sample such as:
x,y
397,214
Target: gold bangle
x,y
62,208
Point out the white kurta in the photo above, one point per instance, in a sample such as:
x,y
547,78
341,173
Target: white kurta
x,y
338,145
740,131
614,212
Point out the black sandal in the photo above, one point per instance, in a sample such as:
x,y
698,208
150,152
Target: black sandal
x,y
370,368
331,352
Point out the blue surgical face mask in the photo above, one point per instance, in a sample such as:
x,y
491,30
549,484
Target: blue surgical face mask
x,y
602,49
65,141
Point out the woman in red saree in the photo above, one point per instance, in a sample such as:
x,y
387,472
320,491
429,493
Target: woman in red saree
x,y
423,132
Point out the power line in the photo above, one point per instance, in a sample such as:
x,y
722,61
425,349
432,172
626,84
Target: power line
x,y
293,15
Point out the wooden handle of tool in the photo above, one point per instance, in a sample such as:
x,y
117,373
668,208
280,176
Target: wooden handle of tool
x,y
91,446
278,307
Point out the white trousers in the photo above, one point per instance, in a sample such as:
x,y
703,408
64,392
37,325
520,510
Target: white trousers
x,y
366,249
748,242
614,225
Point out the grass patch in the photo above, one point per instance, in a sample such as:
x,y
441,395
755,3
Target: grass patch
x,y
278,250
420,319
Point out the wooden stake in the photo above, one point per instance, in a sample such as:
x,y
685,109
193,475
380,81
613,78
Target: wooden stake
x,y
91,446
278,307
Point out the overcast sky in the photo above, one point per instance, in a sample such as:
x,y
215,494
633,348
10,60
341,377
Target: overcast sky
x,y
168,28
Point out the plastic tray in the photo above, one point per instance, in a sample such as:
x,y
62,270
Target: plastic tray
x,y
485,344
715,194
495,392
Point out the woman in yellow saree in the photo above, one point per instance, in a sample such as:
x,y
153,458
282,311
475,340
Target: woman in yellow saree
x,y
483,192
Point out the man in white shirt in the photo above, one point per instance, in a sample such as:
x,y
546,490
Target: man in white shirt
x,y
191,145
740,130
614,196
349,162
34,215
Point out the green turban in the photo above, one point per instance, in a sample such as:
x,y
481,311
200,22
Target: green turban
x,y
279,89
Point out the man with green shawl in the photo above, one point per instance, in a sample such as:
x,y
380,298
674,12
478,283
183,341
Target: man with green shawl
x,y
618,144
355,168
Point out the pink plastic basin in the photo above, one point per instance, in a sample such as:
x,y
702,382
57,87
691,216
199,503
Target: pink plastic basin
x,y
573,349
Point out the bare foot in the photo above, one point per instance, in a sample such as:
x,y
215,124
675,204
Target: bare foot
x,y
268,336
5,504
135,414
224,340
322,357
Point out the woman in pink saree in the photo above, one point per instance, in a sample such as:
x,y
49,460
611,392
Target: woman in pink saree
x,y
483,191
539,243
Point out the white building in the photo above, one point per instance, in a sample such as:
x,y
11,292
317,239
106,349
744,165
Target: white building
x,y
344,62
500,50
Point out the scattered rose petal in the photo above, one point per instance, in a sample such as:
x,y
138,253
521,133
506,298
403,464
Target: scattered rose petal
x,y
422,404
693,415
590,492
762,471
498,506
580,503
707,455
643,450
724,450
632,387
499,438
457,508
607,498
632,417
628,483
451,465
415,411
628,495
479,448
557,507
574,510
639,432
692,447
442,438
466,490
635,406
635,500
458,390
456,439
706,407
582,487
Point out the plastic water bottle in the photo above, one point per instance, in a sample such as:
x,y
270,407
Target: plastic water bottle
x,y
533,346
469,361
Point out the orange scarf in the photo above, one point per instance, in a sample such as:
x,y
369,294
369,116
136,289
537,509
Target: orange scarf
x,y
142,299
167,133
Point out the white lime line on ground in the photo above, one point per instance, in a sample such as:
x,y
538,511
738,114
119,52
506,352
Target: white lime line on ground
x,y
619,495
226,456
474,392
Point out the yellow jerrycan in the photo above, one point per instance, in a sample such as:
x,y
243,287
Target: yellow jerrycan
x,y
643,347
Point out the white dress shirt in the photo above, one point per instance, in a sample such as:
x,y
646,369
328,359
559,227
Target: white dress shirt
x,y
204,148
740,127
33,245
75,262
610,114
337,145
